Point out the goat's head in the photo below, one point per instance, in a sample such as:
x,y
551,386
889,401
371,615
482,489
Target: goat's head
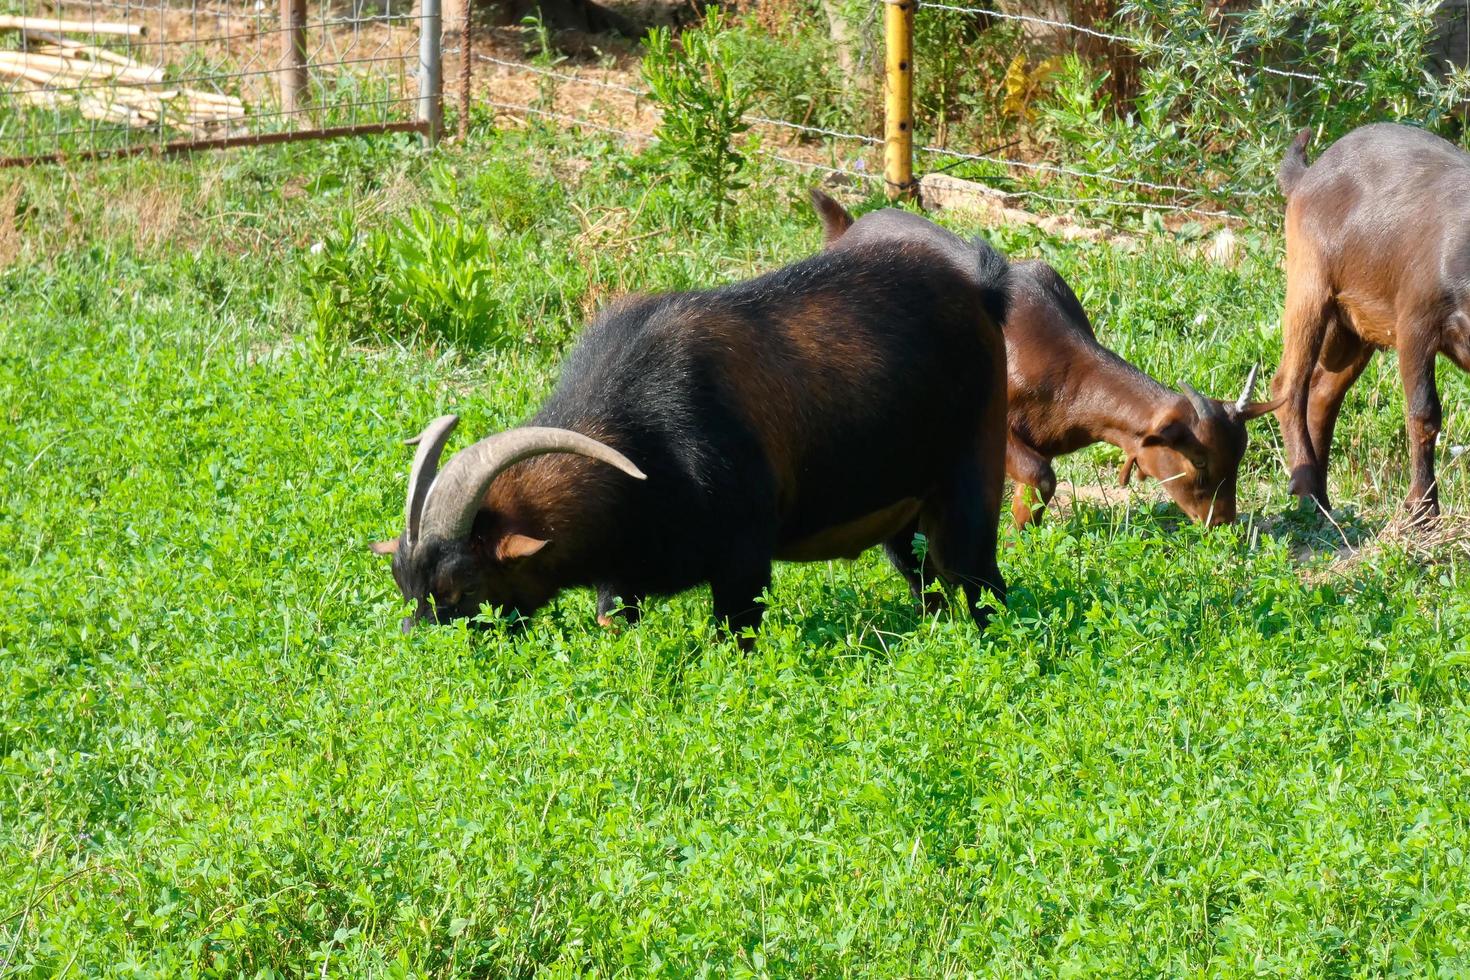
x,y
454,556
1194,449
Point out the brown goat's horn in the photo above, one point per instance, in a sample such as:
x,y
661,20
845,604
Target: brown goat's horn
x,y
421,476
455,498
1249,390
1203,407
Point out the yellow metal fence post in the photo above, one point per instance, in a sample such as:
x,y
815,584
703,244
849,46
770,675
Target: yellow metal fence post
x,y
898,116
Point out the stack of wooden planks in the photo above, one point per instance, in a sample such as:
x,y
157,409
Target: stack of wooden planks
x,y
54,71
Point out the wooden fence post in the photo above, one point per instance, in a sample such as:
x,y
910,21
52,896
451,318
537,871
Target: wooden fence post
x,y
293,58
466,54
898,116
431,77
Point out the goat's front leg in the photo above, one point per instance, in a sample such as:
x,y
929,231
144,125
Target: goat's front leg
x,y
736,591
1417,350
917,571
1036,481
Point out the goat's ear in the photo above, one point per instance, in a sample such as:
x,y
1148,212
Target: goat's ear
x,y
1256,409
1179,436
389,547
516,546
1125,472
1172,434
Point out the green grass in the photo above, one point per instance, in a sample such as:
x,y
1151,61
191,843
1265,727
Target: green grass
x,y
1175,752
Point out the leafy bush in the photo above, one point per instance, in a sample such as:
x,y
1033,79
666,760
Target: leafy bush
x,y
1219,97
790,76
429,273
960,65
702,105
438,270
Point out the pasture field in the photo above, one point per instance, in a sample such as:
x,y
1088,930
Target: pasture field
x,y
1236,752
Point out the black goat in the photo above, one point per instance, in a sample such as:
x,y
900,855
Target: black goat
x,y
848,400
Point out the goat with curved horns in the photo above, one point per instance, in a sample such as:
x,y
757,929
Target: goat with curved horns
x,y
1067,391
850,400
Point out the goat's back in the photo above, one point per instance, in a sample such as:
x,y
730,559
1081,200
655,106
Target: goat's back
x,y
829,388
1383,207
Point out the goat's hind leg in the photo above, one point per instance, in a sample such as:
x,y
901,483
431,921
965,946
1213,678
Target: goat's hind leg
x,y
1419,343
917,569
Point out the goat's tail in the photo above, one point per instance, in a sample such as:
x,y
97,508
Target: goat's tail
x,y
835,219
994,275
1294,163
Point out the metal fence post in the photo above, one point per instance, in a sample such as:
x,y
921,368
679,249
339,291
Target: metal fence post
x,y
898,115
293,57
431,77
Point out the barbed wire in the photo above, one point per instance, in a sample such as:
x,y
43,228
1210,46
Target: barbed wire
x,y
574,120
1139,42
563,76
803,128
933,150
1081,174
988,194
1099,201
645,93
133,44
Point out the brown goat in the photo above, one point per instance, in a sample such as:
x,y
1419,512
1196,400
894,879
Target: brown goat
x,y
1067,391
1377,257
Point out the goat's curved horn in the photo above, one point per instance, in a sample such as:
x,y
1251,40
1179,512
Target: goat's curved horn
x,y
430,444
1249,390
455,498
1203,407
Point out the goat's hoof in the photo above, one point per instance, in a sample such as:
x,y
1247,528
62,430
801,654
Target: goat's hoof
x,y
1421,508
1307,484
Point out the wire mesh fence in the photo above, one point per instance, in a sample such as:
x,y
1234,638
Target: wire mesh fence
x,y
97,77
855,156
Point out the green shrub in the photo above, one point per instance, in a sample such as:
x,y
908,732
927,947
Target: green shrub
x,y
790,75
959,67
1219,98
429,274
703,106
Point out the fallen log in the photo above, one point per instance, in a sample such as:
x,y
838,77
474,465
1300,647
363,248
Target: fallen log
x,y
11,23
136,107
65,48
216,98
60,66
